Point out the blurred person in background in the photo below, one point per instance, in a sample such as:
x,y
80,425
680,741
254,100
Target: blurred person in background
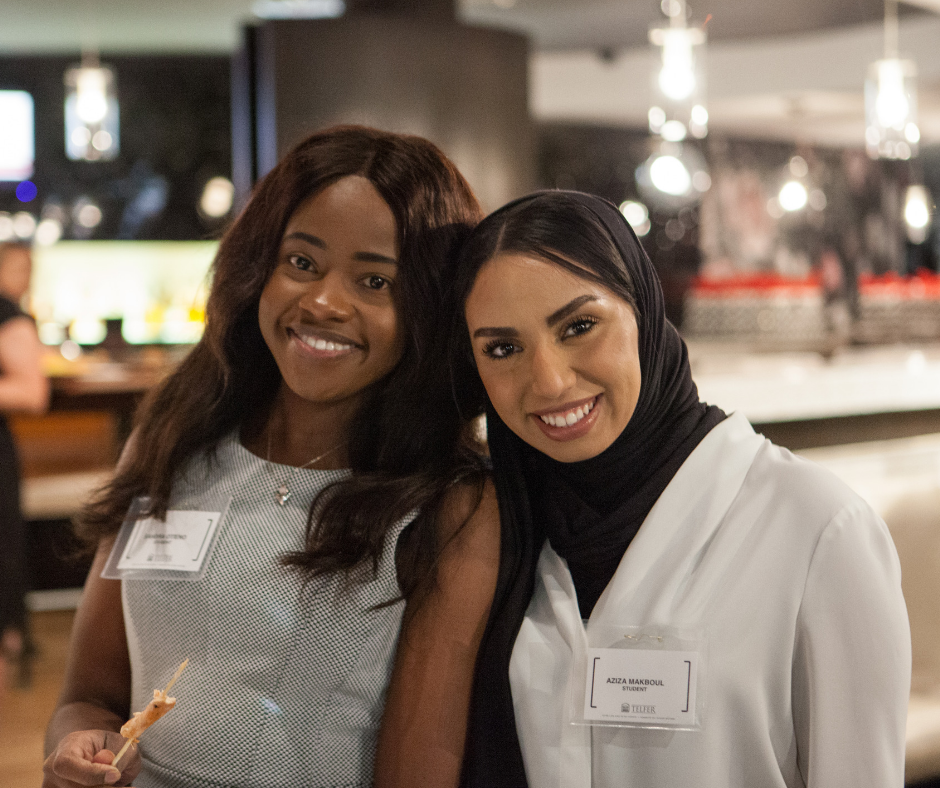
x,y
23,389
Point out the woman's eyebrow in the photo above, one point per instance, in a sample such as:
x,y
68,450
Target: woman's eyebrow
x,y
310,239
366,257
552,319
567,309
374,257
495,332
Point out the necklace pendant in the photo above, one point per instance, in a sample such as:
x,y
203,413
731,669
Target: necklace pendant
x,y
282,495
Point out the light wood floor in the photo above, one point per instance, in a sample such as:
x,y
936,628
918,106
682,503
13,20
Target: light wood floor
x,y
24,713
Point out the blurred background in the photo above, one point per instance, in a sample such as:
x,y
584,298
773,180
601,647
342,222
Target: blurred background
x,y
779,161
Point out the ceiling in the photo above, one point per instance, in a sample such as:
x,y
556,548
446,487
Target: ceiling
x,y
213,25
617,24
802,88
788,69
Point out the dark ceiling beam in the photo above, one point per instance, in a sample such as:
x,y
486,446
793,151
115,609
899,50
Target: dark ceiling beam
x,y
437,10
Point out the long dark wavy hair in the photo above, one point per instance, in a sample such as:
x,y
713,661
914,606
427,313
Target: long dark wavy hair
x,y
407,444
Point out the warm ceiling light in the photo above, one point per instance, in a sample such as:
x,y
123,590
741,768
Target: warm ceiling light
x,y
917,213
677,76
48,231
673,177
670,175
891,130
678,85
698,124
24,225
217,197
86,213
91,90
798,167
793,196
91,112
637,216
673,131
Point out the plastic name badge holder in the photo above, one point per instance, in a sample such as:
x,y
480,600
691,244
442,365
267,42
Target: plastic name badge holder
x,y
177,547
640,677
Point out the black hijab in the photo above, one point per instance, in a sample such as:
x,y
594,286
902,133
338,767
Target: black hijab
x,y
590,510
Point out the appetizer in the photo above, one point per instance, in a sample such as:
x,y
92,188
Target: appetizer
x,y
160,705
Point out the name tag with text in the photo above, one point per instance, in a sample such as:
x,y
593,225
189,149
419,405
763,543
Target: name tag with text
x,y
641,687
180,543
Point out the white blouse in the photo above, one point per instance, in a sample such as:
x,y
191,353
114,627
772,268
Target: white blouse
x,y
793,582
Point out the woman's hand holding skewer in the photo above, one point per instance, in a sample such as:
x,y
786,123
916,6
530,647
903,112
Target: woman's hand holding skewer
x,y
83,758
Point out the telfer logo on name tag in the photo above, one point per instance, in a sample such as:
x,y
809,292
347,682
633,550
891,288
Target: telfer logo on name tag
x,y
641,686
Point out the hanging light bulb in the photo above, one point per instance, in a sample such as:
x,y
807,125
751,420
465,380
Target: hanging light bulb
x,y
91,112
678,108
793,196
638,215
677,76
91,91
917,213
673,177
670,175
891,130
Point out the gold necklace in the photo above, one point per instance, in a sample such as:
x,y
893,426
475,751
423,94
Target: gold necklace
x,y
282,493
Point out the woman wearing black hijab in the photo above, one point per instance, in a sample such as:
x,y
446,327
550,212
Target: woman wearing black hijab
x,y
680,602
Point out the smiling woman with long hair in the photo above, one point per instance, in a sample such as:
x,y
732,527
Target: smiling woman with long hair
x,y
680,602
318,402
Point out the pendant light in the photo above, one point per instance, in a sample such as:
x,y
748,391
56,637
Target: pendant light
x,y
918,213
675,175
91,111
678,105
891,130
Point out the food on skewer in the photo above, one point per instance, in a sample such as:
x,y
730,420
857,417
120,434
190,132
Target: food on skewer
x,y
142,720
160,705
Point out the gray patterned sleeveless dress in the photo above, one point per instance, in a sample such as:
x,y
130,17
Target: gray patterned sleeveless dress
x,y
286,683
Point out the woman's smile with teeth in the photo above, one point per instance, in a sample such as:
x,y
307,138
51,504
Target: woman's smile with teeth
x,y
569,417
323,344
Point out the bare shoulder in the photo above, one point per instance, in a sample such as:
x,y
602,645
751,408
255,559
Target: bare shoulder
x,y
469,522
465,574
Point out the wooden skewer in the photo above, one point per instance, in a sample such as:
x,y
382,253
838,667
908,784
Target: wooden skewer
x,y
124,749
179,672
129,742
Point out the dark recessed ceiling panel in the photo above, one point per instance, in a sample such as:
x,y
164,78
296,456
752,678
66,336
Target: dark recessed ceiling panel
x,y
618,24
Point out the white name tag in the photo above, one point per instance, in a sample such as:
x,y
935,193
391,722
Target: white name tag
x,y
179,544
641,686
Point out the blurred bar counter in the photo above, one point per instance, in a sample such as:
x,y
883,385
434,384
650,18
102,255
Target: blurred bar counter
x,y
809,399
97,382
71,450
852,397
800,399
92,405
